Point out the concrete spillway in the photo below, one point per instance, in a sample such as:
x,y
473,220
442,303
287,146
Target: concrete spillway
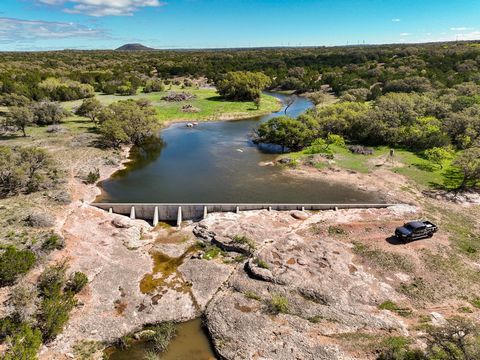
x,y
180,212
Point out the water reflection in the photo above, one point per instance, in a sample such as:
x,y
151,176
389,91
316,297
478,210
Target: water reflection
x,y
217,162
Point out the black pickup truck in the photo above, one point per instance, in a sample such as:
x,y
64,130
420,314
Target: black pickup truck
x,y
416,230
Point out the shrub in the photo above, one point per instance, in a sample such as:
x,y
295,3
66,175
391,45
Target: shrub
x,y
56,303
457,339
178,96
52,280
211,252
154,85
53,242
278,304
261,263
24,302
77,282
8,325
86,349
24,344
335,230
359,149
93,176
54,314
252,295
40,220
14,263
161,336
245,241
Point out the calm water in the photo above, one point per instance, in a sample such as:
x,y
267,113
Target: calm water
x,y
216,162
191,343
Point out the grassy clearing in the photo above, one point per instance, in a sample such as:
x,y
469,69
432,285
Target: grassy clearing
x,y
383,260
443,276
461,226
212,106
407,163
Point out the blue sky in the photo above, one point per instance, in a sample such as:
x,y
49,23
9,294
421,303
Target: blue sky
x,y
106,24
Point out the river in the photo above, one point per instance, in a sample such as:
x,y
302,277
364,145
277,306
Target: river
x,y
216,162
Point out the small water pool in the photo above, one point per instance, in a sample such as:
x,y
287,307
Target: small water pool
x,y
191,343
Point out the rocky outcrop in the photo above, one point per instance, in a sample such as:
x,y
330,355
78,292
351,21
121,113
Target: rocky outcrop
x,y
280,290
296,291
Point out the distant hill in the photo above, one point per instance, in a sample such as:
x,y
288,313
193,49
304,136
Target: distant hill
x,y
134,47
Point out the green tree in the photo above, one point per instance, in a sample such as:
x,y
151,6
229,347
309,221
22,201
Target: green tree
x,y
90,108
24,169
154,85
242,85
286,132
424,133
438,155
48,113
34,159
36,162
468,163
12,176
20,118
128,122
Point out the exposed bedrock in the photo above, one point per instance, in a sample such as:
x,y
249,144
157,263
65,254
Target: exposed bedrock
x,y
293,294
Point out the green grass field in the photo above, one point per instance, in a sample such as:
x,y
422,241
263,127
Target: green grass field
x,y
212,107
407,163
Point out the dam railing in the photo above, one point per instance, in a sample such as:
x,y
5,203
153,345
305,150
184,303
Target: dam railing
x,y
180,212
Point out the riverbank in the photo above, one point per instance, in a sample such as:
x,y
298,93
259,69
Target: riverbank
x,y
207,105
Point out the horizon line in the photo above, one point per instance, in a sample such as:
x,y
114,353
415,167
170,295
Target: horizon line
x,y
173,48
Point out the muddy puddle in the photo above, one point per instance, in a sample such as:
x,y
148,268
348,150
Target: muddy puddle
x,y
191,343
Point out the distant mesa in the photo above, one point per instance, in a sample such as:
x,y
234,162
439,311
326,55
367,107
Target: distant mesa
x,y
134,47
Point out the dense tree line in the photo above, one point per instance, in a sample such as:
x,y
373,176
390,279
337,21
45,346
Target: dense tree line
x,y
67,75
420,97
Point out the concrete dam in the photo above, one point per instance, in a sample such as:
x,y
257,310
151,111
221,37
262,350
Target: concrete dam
x,y
181,212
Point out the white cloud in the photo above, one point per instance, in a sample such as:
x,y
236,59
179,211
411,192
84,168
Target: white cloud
x,y
405,34
102,7
461,28
473,35
396,20
19,30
